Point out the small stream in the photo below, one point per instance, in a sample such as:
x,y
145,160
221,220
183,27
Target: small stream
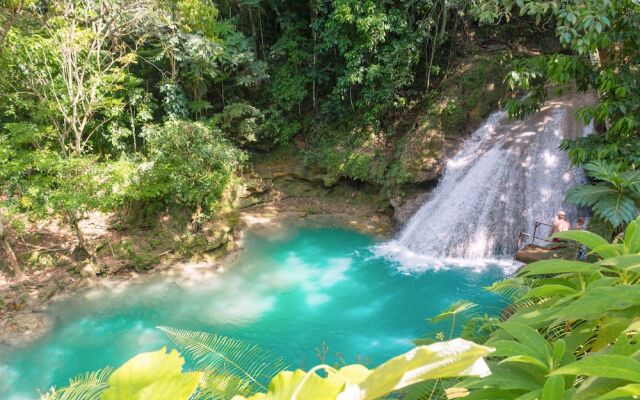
x,y
289,292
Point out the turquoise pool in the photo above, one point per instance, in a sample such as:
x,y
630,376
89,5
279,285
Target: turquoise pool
x,y
292,293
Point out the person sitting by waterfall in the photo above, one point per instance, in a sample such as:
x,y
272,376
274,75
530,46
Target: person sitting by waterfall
x,y
560,224
579,225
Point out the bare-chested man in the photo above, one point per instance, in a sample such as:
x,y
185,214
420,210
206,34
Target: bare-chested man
x,y
560,224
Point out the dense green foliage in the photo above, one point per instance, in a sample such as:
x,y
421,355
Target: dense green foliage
x,y
117,105
571,331
614,199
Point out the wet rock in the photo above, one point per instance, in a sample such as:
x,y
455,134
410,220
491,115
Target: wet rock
x,y
404,208
257,186
422,156
279,174
250,201
24,328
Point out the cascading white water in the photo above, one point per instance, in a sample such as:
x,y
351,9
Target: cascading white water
x,y
507,175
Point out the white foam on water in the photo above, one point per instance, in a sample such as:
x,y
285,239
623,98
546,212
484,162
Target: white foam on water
x,y
506,176
409,262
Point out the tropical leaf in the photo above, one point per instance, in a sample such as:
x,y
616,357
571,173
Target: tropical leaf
x,y
588,239
86,387
593,304
616,209
630,262
526,360
588,195
223,356
419,391
632,237
508,348
631,179
550,291
454,358
456,308
623,392
300,385
553,388
602,170
529,337
605,365
614,249
546,267
508,377
609,330
222,387
512,288
154,375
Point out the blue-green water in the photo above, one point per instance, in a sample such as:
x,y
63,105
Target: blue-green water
x,y
288,292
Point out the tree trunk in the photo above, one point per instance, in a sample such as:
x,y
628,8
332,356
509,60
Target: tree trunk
x,y
315,43
254,33
453,41
11,256
261,33
436,40
74,219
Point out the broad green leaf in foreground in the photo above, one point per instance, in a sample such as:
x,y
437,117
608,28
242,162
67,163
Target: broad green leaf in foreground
x,y
623,392
586,238
454,358
546,267
154,375
606,366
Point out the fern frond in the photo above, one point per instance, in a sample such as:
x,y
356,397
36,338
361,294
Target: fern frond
x,y
87,386
222,387
221,355
456,308
512,288
477,329
427,390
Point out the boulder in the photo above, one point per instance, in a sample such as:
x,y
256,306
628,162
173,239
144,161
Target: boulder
x,y
404,208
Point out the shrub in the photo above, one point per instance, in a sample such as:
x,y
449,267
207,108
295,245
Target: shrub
x,y
189,163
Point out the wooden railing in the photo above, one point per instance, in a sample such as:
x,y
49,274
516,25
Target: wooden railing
x,y
524,236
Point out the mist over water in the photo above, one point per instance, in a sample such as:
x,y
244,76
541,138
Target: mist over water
x,y
289,292
506,177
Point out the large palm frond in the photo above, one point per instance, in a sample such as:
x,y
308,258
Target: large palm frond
x,y
616,208
221,355
87,386
588,195
603,171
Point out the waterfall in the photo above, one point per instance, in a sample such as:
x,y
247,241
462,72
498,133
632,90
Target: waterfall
x,y
505,177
